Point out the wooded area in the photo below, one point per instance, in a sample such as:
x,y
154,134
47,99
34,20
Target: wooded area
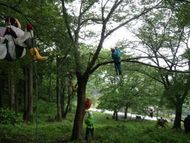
x,y
155,61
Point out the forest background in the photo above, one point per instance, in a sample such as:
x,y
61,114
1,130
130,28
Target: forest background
x,y
155,65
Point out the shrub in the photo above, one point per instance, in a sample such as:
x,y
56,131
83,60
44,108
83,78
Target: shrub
x,y
8,116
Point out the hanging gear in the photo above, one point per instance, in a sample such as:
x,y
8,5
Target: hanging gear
x,y
14,41
30,42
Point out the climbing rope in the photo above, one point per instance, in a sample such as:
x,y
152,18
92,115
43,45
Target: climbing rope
x,y
36,99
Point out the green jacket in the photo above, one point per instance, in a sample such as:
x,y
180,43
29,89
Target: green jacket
x,y
89,121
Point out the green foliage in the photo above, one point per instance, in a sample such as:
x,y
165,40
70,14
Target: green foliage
x,y
106,131
186,54
180,9
8,117
46,108
178,91
183,14
136,91
135,132
46,111
45,133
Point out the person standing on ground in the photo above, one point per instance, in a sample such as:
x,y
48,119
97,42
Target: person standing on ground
x,y
187,124
89,121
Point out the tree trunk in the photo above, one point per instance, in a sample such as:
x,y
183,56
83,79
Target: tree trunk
x,y
58,100
114,114
1,105
19,95
69,96
49,87
126,111
80,111
58,89
6,101
116,118
28,97
178,113
157,112
25,93
63,102
1,93
12,91
30,92
12,86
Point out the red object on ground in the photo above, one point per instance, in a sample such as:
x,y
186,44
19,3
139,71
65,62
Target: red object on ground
x,y
87,103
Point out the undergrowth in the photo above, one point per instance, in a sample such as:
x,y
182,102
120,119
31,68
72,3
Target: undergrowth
x,y
106,131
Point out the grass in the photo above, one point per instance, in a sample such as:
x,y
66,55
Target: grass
x,y
106,131
44,133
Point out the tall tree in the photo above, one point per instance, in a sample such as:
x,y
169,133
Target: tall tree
x,y
28,95
166,40
109,16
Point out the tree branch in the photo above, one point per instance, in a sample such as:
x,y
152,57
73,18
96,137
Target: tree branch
x,y
133,18
134,60
147,74
65,17
15,9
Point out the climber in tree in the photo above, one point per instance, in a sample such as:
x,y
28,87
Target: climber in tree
x,y
117,60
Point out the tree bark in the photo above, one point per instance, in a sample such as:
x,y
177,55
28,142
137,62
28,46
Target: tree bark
x,y
28,96
19,96
58,116
126,111
178,113
30,92
117,118
80,111
49,87
62,103
114,115
69,97
4,90
25,93
1,92
12,93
